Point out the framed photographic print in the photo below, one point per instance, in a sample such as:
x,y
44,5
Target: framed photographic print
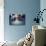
x,y
17,19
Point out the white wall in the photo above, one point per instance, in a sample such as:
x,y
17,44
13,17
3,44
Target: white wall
x,y
43,6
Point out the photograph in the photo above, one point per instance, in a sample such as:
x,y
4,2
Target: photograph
x,y
17,19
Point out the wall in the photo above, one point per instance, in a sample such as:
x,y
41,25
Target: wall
x,y
43,6
29,7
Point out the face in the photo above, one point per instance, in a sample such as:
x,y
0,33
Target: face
x,y
28,36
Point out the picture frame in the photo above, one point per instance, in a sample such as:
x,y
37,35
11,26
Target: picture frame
x,y
17,19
